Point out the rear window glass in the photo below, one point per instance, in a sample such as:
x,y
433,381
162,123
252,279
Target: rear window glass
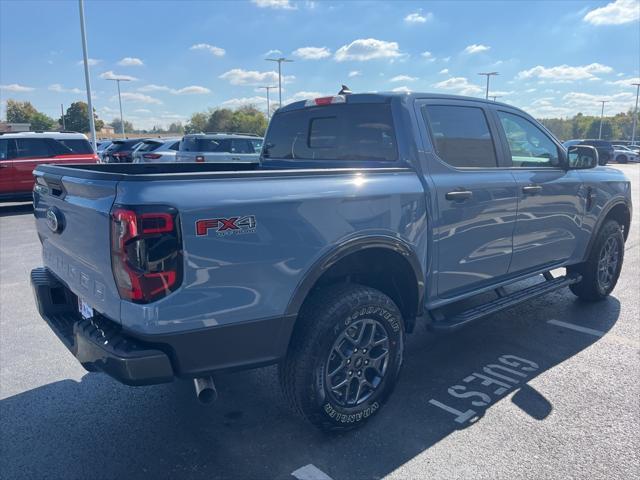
x,y
461,135
78,145
352,132
149,146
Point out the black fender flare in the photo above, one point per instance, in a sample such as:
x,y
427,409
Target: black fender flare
x,y
347,248
600,221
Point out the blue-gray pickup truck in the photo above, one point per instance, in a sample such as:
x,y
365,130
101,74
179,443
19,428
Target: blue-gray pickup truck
x,y
367,214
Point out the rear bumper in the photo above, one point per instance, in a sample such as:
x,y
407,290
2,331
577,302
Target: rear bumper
x,y
133,358
97,344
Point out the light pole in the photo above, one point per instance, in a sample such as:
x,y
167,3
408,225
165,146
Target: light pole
x,y
488,74
601,117
635,115
279,60
85,57
494,97
118,80
267,88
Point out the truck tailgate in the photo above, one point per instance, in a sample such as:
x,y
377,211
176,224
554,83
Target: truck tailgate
x,y
73,223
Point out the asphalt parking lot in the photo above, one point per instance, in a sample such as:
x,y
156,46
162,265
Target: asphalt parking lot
x,y
568,405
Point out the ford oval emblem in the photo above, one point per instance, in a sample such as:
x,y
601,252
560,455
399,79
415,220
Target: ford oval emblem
x,y
54,220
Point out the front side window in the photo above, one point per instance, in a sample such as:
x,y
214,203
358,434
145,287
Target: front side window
x,y
461,136
530,147
338,132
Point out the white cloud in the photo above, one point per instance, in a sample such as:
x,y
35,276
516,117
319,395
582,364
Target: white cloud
x,y
16,88
244,101
312,53
91,61
302,95
428,55
354,73
131,62
238,76
476,48
626,82
418,17
530,90
56,87
109,75
192,89
564,73
403,78
614,13
459,85
444,71
137,97
212,49
275,51
403,88
368,49
142,110
277,4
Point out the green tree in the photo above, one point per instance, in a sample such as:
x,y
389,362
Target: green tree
x,y
24,112
197,123
117,126
176,127
77,118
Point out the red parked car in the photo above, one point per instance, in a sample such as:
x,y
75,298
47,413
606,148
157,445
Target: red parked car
x,y
21,152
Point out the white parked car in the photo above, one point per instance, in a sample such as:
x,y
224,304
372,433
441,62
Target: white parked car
x,y
623,154
156,150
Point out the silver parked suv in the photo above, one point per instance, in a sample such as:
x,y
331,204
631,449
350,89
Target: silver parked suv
x,y
220,148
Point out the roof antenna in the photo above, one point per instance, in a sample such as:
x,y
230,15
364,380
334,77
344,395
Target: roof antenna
x,y
345,90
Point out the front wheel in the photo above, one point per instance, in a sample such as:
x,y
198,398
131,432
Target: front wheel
x,y
344,357
601,270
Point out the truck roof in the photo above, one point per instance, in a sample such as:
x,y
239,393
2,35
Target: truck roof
x,y
383,97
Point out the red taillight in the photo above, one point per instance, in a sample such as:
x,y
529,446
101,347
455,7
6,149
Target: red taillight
x,y
151,156
146,252
325,101
199,158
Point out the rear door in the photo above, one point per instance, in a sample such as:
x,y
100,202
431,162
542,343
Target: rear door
x,y
7,152
550,198
30,152
474,200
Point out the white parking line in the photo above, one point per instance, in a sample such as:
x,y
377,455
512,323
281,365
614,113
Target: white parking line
x,y
577,328
310,472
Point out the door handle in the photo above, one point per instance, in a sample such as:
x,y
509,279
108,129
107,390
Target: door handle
x,y
531,189
459,195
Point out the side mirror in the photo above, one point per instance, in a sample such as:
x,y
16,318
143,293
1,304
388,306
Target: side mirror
x,y
581,157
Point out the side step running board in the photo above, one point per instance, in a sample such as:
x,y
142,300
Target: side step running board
x,y
444,324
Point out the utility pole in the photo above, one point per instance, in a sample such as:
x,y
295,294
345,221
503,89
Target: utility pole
x,y
494,97
85,57
64,127
267,88
279,60
488,74
118,80
601,117
635,115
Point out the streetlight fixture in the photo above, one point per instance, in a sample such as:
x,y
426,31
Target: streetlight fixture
x,y
488,74
267,88
279,60
635,115
601,117
118,80
85,58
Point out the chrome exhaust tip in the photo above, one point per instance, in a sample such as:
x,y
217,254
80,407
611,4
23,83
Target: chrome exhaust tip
x,y
205,390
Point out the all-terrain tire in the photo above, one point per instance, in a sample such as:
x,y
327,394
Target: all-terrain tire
x,y
353,330
607,253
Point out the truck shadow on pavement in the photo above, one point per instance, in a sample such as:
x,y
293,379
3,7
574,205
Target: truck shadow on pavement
x,y
98,428
15,209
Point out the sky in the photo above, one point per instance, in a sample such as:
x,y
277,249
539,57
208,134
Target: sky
x,y
554,58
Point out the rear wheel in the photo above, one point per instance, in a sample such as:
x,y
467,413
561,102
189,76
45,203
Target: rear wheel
x,y
621,159
344,358
601,270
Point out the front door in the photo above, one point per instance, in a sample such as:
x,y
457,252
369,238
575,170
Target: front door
x,y
7,150
550,204
474,201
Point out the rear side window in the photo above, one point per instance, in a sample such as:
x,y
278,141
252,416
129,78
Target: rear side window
x,y
530,147
348,132
207,145
149,146
257,144
175,146
32,148
241,146
77,145
461,135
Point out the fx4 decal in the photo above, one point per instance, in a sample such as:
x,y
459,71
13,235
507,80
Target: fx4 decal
x,y
226,226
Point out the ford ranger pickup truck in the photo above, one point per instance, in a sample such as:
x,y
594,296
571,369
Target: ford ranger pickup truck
x,y
367,214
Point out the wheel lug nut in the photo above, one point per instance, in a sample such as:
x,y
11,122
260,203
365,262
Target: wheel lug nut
x,y
350,372
348,361
359,372
355,350
366,362
364,350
